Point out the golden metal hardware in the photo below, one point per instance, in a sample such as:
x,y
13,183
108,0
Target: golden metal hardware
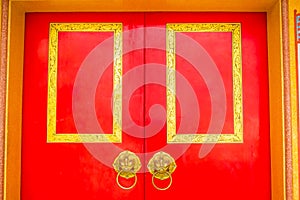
x,y
127,164
161,166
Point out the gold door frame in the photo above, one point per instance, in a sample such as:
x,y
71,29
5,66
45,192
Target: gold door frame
x,y
282,77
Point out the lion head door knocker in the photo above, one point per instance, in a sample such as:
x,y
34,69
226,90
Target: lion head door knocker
x,y
127,164
161,166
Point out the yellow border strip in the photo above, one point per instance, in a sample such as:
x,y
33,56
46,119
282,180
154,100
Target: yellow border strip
x,y
116,136
276,103
6,108
293,5
235,30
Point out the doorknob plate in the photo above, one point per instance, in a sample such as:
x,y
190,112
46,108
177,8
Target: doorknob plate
x,y
127,164
162,165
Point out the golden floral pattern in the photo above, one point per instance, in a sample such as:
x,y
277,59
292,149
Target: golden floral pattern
x,y
237,136
52,135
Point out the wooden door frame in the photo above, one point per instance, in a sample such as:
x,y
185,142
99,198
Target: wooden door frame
x,y
282,78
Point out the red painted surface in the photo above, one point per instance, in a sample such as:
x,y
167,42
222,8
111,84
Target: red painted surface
x,y
229,171
69,171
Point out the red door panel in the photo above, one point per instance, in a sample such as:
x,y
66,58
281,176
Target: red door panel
x,y
224,171
74,170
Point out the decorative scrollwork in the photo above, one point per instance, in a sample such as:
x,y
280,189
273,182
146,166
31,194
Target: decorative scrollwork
x,y
237,136
55,28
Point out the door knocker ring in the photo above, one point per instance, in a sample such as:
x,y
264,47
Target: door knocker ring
x,y
161,166
127,164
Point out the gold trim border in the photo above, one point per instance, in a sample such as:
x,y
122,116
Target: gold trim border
x,y
116,136
235,29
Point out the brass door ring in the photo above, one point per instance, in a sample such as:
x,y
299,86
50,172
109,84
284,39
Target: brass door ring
x,y
127,164
123,187
161,166
171,180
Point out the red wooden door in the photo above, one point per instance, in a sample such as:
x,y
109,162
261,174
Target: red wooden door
x,y
89,74
208,101
63,167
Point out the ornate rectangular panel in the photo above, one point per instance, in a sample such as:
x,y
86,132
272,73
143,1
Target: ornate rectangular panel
x,y
52,135
237,135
